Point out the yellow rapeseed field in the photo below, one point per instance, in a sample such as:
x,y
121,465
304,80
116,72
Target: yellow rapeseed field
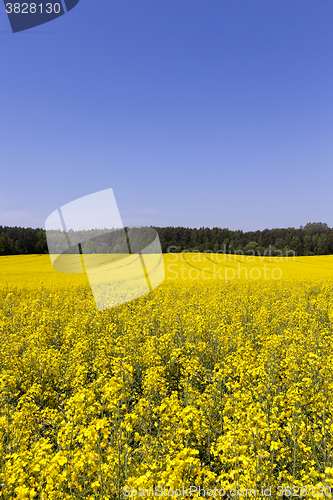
x,y
220,379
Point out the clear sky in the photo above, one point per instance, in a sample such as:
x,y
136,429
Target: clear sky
x,y
196,112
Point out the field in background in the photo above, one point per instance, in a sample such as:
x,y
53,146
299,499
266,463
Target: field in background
x,y
218,378
38,267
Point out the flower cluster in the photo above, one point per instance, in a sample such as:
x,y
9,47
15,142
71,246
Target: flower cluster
x,y
206,383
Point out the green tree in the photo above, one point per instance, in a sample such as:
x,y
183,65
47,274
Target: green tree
x,y
323,245
279,243
90,247
4,247
315,225
251,248
308,245
296,245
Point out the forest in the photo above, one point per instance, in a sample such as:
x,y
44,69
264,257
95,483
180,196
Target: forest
x,y
315,238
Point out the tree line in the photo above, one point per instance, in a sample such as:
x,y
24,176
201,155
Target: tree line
x,y
315,238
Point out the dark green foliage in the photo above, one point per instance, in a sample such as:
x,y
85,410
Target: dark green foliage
x,y
20,240
315,238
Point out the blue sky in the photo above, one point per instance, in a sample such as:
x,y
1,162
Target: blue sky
x,y
196,112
